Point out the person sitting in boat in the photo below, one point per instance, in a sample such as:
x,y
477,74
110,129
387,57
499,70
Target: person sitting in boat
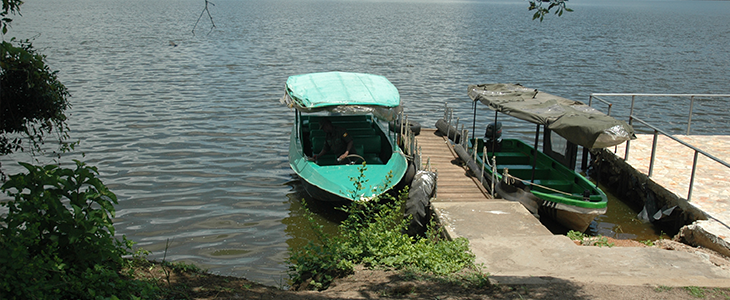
x,y
338,141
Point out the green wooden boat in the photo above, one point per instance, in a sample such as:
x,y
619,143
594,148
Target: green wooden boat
x,y
545,182
360,103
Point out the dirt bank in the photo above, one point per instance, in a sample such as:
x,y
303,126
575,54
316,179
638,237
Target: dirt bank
x,y
379,284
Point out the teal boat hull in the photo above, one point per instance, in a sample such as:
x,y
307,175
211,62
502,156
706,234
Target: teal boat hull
x,y
326,180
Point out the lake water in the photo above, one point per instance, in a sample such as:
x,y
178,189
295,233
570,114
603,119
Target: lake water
x,y
194,142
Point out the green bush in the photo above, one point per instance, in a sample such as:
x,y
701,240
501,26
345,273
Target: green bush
x,y
57,239
373,235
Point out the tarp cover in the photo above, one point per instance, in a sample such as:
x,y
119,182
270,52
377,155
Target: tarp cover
x,y
343,92
573,120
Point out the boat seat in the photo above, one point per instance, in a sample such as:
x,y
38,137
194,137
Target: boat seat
x,y
512,158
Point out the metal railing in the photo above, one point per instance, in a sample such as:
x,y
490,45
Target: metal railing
x,y
658,131
407,140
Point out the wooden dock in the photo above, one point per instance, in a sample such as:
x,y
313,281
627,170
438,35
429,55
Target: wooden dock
x,y
454,183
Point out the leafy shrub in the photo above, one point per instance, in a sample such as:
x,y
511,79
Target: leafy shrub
x,y
57,239
373,235
576,235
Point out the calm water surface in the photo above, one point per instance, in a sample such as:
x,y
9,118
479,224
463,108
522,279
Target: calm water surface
x,y
193,139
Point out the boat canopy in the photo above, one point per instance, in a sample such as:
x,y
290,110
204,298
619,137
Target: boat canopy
x,y
343,92
573,120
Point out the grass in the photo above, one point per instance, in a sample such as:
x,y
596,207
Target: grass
x,y
696,292
663,288
649,243
585,240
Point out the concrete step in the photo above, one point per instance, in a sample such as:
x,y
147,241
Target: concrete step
x,y
516,249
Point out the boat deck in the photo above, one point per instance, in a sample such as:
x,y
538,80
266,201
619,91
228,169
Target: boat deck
x,y
514,247
673,167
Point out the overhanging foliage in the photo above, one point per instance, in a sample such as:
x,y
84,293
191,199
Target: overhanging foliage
x,y
32,100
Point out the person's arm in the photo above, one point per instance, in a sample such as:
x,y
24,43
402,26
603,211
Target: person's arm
x,y
324,150
347,151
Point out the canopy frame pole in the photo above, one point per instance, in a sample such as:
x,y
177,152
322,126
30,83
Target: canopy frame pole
x,y
534,153
494,134
298,123
474,121
584,159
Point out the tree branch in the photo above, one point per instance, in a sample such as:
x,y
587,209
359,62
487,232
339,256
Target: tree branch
x,y
209,16
541,11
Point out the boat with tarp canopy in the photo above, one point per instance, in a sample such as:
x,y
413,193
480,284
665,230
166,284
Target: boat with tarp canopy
x,y
359,103
575,121
545,182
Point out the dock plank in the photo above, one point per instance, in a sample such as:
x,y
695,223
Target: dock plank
x,y
452,183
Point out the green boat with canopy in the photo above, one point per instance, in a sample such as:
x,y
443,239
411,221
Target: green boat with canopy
x,y
361,104
545,182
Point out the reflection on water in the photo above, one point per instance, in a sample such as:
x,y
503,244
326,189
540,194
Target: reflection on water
x,y
621,222
299,227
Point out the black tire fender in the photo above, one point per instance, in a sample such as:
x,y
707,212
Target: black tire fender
x,y
419,201
415,127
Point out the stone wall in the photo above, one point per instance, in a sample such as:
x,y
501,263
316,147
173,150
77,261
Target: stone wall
x,y
634,187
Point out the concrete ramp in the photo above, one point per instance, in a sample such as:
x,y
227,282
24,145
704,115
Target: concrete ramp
x,y
515,248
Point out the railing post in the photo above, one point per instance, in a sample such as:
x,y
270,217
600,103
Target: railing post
x,y
494,171
631,110
474,149
484,162
692,178
610,105
457,129
653,153
631,122
691,104
448,125
628,143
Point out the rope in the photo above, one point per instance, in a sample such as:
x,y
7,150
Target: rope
x,y
509,177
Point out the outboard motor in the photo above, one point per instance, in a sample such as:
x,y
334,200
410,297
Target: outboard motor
x,y
492,137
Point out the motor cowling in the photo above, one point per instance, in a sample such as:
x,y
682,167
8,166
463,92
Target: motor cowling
x,y
492,137
494,131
